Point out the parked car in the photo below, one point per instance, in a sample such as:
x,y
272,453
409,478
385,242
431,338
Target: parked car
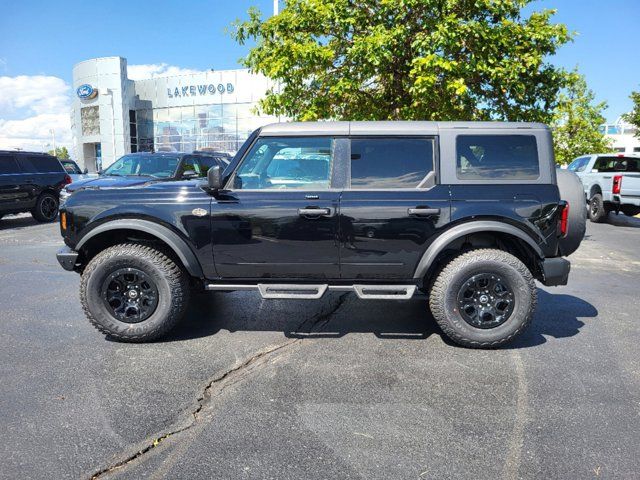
x,y
611,183
468,213
140,168
31,182
75,172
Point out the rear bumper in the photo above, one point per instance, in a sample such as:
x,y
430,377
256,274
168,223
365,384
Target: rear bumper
x,y
67,258
555,271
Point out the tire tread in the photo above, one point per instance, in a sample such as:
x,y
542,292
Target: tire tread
x,y
443,279
173,273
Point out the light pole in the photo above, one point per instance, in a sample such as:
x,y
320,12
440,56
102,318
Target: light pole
x,y
53,138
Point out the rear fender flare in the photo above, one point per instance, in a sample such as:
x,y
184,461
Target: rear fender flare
x,y
172,239
488,226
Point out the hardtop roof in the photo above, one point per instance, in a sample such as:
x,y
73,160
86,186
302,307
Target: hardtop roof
x,y
388,127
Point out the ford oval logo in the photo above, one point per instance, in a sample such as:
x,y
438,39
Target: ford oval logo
x,y
86,91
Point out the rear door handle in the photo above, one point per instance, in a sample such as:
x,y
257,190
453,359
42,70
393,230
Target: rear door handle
x,y
423,212
314,212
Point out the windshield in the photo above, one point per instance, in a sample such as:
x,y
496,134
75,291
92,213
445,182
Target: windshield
x,y
158,166
579,164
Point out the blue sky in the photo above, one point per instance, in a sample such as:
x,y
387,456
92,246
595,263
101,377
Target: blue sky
x,y
41,41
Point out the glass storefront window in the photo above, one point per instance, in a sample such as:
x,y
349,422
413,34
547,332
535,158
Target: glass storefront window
x,y
187,128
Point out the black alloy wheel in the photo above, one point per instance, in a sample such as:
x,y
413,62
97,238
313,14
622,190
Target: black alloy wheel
x,y
49,208
485,300
130,295
46,208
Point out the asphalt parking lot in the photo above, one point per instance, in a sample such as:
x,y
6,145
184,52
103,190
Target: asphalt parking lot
x,y
247,388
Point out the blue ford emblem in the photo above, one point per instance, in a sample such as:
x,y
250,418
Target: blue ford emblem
x,y
86,91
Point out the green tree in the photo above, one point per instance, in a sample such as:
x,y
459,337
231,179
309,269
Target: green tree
x,y
576,122
61,152
633,117
407,59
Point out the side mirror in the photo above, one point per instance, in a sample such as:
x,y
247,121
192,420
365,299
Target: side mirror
x,y
214,178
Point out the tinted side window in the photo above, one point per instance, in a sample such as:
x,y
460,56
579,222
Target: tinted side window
x,y
390,162
41,164
188,164
207,162
287,163
8,165
497,157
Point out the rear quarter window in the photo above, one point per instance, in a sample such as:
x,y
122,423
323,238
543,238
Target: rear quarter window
x,y
497,157
41,164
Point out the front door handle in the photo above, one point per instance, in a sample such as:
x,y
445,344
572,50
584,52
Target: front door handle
x,y
423,212
314,212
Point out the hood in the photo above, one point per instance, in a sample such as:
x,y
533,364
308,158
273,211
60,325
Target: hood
x,y
109,182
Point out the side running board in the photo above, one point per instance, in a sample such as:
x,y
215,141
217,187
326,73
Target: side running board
x,y
291,291
312,292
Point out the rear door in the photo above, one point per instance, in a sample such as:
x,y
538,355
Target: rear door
x,y
277,217
392,206
13,196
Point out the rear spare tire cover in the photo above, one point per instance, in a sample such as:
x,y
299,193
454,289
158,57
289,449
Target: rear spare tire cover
x,y
572,191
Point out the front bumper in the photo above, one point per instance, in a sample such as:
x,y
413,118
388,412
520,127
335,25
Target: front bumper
x,y
67,258
555,271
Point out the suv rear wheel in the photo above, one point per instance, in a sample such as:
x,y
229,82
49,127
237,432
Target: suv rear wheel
x,y
133,292
46,209
483,298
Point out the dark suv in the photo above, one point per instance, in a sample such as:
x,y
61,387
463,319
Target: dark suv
x,y
469,213
31,182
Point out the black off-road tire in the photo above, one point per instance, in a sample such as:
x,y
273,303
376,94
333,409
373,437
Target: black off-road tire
x,y
443,297
171,281
42,211
597,211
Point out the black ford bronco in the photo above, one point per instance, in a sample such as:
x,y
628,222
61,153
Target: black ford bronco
x,y
469,213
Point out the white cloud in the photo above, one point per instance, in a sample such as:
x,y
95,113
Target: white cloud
x,y
30,106
153,70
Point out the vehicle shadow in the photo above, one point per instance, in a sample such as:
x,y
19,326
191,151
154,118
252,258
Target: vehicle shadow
x,y
622,220
557,316
18,221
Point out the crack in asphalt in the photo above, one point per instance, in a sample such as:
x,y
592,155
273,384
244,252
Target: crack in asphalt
x,y
215,387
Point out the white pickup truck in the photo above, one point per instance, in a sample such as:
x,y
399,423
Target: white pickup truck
x,y
611,183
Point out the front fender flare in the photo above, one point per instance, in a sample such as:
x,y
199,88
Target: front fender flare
x,y
172,239
461,230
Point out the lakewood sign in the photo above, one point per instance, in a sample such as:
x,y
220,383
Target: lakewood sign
x,y
199,90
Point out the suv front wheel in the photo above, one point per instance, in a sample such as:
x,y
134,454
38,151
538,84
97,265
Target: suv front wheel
x,y
483,298
133,292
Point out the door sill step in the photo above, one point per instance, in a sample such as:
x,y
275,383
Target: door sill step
x,y
313,292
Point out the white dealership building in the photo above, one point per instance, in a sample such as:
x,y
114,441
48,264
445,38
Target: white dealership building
x,y
113,115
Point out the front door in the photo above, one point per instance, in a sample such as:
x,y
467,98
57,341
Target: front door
x,y
278,216
391,208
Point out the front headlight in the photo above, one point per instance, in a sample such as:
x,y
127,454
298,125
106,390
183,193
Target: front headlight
x,y
64,194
